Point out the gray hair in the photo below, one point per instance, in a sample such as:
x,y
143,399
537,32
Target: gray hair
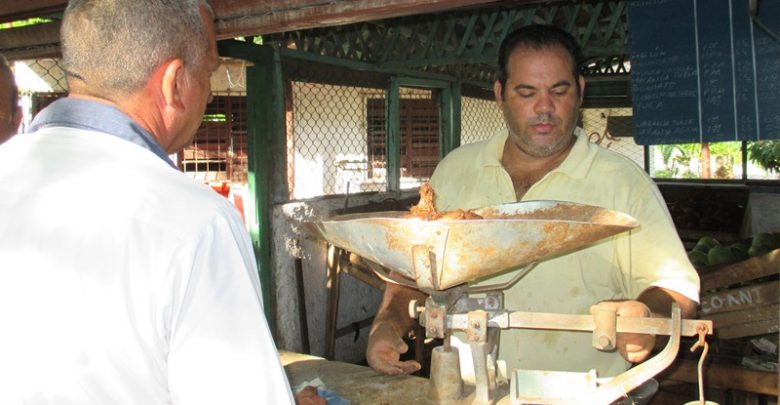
x,y
113,46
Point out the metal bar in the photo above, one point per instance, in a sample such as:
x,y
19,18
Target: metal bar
x,y
354,327
583,323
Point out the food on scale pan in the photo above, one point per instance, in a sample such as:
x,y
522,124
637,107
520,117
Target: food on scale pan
x,y
425,209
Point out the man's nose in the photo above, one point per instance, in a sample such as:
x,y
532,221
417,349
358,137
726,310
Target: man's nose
x,y
544,104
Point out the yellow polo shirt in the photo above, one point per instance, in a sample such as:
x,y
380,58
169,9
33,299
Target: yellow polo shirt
x,y
620,267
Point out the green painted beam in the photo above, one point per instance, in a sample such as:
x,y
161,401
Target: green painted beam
x,y
487,57
266,153
450,118
393,136
362,66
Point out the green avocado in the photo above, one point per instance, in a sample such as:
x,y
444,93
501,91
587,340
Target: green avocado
x,y
758,250
719,255
697,258
764,239
708,242
739,251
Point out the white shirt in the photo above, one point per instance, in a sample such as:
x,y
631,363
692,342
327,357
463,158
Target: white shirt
x,y
123,282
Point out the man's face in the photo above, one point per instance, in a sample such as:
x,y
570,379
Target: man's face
x,y
10,115
540,100
196,92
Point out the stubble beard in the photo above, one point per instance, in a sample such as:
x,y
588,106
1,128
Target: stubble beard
x,y
522,140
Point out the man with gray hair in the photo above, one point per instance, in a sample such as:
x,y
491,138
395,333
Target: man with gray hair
x,y
10,111
123,281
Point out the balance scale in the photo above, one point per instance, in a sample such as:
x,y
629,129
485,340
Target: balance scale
x,y
441,257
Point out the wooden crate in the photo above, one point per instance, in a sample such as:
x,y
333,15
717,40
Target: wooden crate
x,y
742,299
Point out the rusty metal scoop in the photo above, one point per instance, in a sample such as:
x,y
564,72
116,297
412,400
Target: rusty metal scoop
x,y
437,255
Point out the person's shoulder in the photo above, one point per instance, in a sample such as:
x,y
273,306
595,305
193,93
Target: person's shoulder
x,y
464,155
162,193
614,162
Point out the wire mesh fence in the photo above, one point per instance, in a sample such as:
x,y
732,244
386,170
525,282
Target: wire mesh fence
x,y
480,119
612,128
328,149
337,132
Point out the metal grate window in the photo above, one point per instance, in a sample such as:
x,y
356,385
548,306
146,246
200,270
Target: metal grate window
x,y
419,135
219,149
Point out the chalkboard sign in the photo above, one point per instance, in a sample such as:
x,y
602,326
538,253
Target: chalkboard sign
x,y
702,71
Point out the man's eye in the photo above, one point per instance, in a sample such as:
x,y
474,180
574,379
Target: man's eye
x,y
560,92
525,94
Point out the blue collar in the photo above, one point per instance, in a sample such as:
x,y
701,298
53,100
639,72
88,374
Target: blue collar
x,y
94,116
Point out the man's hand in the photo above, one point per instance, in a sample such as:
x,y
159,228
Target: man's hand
x,y
384,351
634,347
309,396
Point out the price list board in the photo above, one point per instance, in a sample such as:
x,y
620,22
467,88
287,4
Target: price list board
x,y
703,71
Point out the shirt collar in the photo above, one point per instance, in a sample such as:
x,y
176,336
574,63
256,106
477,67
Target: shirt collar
x,y
92,115
576,164
580,158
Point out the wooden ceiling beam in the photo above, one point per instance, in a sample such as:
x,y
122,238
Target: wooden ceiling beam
x,y
20,9
266,20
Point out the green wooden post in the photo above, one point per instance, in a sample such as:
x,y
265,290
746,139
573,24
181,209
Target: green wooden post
x,y
450,118
266,153
393,136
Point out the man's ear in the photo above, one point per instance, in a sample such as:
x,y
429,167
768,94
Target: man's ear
x,y
581,80
171,83
17,118
498,92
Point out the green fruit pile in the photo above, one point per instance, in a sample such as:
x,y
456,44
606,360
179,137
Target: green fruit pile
x,y
709,251
764,243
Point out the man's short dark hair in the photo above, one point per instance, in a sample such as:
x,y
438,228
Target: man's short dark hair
x,y
539,37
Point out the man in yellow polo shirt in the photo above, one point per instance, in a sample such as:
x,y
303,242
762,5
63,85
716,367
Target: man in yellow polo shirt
x,y
544,156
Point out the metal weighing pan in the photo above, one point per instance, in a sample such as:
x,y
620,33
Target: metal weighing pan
x,y
437,255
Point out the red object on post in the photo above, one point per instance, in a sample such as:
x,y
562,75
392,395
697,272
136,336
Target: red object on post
x,y
223,189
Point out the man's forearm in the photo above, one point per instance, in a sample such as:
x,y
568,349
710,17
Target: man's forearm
x,y
660,300
394,308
